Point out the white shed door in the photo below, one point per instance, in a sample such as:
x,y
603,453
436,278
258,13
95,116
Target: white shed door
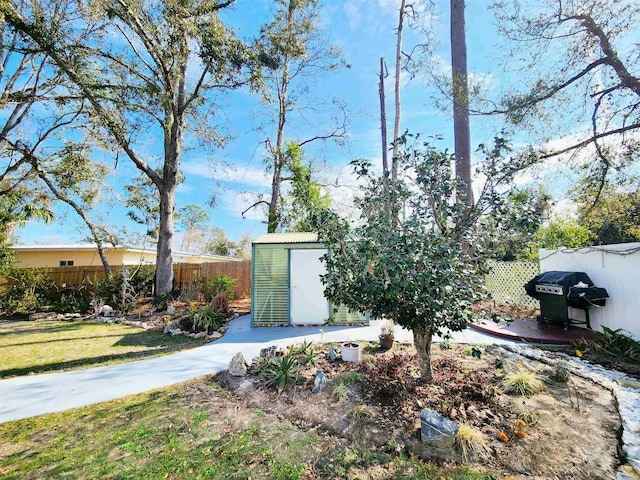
x,y
307,303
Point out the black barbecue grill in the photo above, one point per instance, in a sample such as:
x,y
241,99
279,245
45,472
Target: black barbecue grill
x,y
559,290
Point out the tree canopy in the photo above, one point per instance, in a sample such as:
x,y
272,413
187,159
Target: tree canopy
x,y
416,270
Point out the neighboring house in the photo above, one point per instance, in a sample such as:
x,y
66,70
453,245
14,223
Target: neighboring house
x,y
286,286
87,255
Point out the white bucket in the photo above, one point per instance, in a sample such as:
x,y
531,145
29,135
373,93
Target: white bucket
x,y
351,352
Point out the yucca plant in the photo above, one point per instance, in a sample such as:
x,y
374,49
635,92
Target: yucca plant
x,y
207,318
280,372
307,353
521,382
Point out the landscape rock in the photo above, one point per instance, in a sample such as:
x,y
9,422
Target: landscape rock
x,y
238,366
39,316
106,311
171,309
436,430
215,335
199,335
319,382
171,327
269,351
333,353
175,333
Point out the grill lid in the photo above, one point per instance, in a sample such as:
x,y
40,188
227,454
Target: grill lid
x,y
564,279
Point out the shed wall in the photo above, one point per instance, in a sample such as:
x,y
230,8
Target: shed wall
x,y
270,289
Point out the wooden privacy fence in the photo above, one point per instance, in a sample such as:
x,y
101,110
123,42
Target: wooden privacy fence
x,y
185,274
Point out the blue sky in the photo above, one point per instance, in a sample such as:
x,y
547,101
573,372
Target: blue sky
x,y
365,31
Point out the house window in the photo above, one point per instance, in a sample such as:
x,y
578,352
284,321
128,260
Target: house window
x,y
66,263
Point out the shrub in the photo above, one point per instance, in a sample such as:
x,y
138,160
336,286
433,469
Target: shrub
x,y
617,344
220,288
206,319
521,382
142,280
26,290
161,301
116,291
561,372
71,304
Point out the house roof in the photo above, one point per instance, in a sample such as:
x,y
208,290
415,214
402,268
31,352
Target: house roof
x,y
296,237
92,247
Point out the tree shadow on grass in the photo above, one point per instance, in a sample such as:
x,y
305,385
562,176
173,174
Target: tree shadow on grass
x,y
158,344
155,339
84,362
20,327
57,340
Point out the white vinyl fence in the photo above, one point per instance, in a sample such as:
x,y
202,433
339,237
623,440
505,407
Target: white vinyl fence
x,y
614,267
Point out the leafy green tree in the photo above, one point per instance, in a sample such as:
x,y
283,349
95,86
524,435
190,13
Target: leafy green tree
x,y
192,219
307,199
217,243
417,270
142,199
564,233
520,216
19,205
613,218
161,67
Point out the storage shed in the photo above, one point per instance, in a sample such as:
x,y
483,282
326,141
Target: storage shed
x,y
285,283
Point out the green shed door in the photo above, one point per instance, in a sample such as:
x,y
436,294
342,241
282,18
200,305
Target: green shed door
x,y
270,285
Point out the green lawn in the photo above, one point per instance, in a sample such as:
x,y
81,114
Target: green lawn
x,y
44,346
193,430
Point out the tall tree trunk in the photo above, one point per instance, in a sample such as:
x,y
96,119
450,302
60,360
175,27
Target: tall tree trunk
x,y
273,215
396,122
173,141
460,90
422,337
383,118
164,253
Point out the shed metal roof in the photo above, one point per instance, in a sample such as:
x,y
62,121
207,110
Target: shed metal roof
x,y
296,237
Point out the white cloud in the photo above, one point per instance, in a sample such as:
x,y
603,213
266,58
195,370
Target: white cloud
x,y
353,14
235,203
250,176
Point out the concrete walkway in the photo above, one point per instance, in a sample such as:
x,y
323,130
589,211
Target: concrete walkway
x,y
33,395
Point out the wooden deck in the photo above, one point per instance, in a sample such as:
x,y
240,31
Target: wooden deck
x,y
529,330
